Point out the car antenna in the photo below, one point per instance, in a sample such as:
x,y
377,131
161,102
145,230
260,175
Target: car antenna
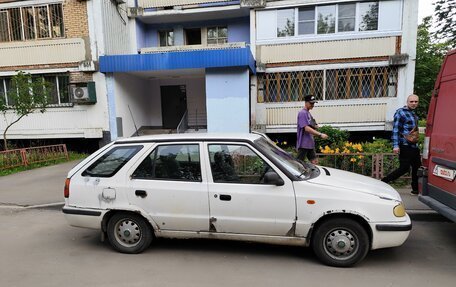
x,y
137,134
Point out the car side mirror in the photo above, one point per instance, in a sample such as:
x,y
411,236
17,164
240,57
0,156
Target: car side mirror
x,y
271,177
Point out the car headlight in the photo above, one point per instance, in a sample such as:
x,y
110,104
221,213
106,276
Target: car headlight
x,y
399,210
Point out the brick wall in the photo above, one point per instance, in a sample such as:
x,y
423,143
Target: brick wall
x,y
75,19
80,77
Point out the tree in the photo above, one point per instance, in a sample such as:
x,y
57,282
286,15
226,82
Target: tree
x,y
445,14
26,95
429,57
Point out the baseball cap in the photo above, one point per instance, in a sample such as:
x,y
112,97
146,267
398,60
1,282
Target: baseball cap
x,y
310,99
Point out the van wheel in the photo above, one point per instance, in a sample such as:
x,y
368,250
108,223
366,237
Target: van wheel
x,y
129,233
340,242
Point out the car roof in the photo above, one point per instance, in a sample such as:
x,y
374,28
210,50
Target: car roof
x,y
192,137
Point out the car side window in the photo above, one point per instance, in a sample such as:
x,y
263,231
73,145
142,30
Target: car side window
x,y
236,164
171,162
112,161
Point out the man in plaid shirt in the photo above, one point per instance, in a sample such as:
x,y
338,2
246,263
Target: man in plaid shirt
x,y
405,121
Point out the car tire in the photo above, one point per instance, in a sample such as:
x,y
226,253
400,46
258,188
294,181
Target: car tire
x,y
129,233
340,242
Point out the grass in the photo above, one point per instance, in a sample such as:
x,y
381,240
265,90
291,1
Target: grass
x,y
72,156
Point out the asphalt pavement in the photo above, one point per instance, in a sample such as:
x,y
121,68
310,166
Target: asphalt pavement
x,y
44,187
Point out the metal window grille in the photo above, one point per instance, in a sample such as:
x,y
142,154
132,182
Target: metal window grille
x,y
31,22
337,84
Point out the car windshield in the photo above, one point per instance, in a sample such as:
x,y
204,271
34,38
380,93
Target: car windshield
x,y
302,170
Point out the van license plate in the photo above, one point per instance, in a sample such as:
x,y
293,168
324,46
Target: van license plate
x,y
445,173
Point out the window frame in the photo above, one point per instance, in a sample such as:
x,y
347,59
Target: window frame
x,y
154,150
217,38
337,34
57,78
167,31
22,18
241,144
136,149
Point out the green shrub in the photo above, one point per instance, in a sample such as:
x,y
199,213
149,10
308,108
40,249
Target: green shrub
x,y
335,137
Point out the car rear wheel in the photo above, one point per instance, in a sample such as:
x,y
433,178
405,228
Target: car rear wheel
x,y
340,242
129,233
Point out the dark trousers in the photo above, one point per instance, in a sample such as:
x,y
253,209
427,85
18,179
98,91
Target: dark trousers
x,y
408,156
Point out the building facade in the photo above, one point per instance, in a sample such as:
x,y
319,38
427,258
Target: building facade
x,y
54,41
356,57
155,66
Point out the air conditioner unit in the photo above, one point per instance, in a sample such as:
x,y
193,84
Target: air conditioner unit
x,y
83,93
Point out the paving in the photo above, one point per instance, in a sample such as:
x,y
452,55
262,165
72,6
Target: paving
x,y
44,187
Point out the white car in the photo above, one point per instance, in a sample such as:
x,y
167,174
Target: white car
x,y
232,187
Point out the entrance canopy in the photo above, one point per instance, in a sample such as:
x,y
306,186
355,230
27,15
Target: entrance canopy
x,y
195,59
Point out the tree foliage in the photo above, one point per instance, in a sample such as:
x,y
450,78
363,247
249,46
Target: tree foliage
x,y
429,57
445,17
26,95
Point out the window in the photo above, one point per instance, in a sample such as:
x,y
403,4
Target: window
x,y
306,20
166,38
351,17
111,162
326,19
236,164
285,22
346,17
171,162
31,22
58,83
350,83
368,16
217,35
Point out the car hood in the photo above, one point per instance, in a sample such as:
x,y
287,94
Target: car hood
x,y
355,182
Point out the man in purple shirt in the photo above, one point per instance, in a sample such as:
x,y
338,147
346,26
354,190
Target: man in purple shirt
x,y
307,129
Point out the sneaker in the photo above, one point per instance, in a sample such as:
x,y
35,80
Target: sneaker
x,y
414,192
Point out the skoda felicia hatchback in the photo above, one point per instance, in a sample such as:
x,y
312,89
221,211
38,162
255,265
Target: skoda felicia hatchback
x,y
232,187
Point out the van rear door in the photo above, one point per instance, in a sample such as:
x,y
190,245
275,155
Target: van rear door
x,y
441,134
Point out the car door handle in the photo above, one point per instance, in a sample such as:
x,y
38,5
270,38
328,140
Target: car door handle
x,y
225,197
141,193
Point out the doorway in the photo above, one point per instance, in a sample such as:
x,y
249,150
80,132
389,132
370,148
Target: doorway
x,y
173,104
193,36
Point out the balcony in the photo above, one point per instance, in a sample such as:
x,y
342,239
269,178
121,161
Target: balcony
x,y
46,52
184,48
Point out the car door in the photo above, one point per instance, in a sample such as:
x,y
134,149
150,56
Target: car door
x,y
240,200
170,186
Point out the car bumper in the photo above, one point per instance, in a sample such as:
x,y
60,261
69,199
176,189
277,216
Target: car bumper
x,y
390,234
79,217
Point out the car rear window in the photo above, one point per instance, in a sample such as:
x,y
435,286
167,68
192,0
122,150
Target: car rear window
x,y
112,161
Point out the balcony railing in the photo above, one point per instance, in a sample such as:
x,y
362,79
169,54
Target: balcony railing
x,y
185,48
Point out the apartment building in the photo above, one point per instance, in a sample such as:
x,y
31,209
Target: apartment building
x,y
356,57
188,68
54,40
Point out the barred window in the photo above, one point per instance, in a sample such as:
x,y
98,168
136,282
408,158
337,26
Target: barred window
x,y
58,96
340,84
31,23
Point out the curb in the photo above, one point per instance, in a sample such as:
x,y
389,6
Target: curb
x,y
426,215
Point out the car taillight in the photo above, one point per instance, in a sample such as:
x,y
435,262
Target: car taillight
x,y
66,190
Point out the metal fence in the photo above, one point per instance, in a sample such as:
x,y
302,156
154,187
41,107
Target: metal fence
x,y
368,164
26,156
334,84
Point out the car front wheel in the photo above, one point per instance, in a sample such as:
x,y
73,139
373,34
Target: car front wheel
x,y
129,233
340,242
